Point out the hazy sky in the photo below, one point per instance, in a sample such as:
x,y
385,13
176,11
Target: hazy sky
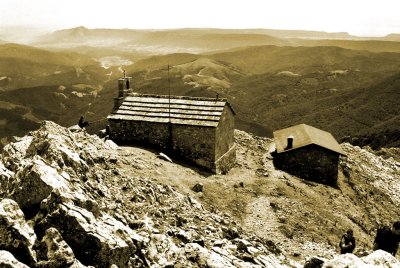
x,y
358,17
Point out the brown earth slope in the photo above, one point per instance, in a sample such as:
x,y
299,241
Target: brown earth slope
x,y
301,218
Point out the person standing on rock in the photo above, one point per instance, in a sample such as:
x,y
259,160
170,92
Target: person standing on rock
x,y
82,123
347,242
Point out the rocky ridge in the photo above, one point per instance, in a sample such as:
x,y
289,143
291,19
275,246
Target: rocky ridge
x,y
67,204
70,199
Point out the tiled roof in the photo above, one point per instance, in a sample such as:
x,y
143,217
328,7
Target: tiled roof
x,y
178,109
304,135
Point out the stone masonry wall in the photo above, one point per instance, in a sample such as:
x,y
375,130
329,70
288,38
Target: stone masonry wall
x,y
195,143
146,133
310,162
225,153
226,162
225,138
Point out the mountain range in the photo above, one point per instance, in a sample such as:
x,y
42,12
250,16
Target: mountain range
x,y
345,84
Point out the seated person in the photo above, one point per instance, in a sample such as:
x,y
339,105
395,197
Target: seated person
x,y
347,242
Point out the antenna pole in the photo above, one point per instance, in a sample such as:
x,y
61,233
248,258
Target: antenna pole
x,y
169,96
169,112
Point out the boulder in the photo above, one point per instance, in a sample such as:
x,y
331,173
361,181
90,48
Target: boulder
x,y
5,176
38,176
161,250
14,153
198,187
55,252
69,150
378,258
314,263
381,258
202,257
58,147
16,236
100,241
7,260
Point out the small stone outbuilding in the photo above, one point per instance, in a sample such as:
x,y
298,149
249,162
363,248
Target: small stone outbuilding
x,y
196,129
307,152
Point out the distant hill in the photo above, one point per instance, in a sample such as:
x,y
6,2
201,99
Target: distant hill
x,y
305,34
198,40
37,84
156,41
83,36
392,37
262,59
37,55
26,66
381,45
203,42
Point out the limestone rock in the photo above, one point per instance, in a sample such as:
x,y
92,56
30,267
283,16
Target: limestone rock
x,y
161,250
13,154
98,241
38,176
5,176
55,252
7,260
202,257
314,263
58,146
16,235
85,197
198,187
379,258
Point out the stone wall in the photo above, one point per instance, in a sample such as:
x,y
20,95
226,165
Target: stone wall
x,y
225,152
224,137
195,143
311,162
145,133
226,161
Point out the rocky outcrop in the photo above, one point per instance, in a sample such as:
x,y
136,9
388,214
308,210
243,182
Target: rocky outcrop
x,y
5,176
34,183
7,260
14,153
87,211
55,252
378,258
101,240
16,236
92,203
383,173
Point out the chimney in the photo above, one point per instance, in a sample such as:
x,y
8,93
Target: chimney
x,y
124,86
123,90
289,142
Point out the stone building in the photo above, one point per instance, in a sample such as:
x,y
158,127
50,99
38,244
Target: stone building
x,y
196,129
308,153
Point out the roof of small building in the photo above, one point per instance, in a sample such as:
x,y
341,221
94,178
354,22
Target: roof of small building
x,y
182,110
304,135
